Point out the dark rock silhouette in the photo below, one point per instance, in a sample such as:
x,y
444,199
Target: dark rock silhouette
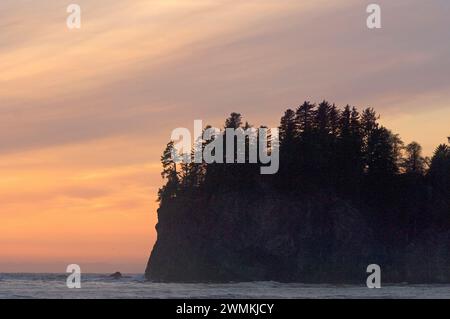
x,y
346,196
269,238
116,275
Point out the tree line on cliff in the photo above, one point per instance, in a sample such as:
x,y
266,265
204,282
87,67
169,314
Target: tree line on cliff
x,y
327,152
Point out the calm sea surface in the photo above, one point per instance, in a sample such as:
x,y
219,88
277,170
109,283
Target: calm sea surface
x,y
134,286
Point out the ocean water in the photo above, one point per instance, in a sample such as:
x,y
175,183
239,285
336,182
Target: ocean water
x,y
134,286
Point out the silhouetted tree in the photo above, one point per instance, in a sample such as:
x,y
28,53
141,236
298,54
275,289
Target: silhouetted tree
x,y
288,149
349,162
414,162
304,118
439,175
234,121
287,129
397,147
169,172
381,154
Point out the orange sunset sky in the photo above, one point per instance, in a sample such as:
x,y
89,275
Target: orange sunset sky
x,y
85,114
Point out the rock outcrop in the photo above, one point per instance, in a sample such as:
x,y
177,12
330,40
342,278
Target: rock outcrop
x,y
116,275
344,198
237,237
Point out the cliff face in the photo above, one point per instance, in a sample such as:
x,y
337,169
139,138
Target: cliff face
x,y
345,197
242,237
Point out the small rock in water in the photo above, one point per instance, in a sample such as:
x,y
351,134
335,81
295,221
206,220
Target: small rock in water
x,y
116,275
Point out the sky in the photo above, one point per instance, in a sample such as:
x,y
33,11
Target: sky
x,y
86,113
